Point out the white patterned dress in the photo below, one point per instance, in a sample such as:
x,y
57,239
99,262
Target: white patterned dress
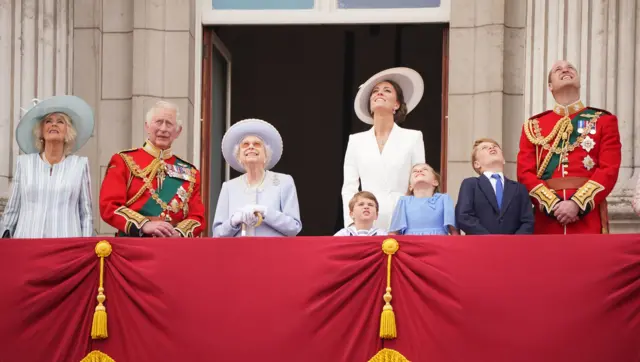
x,y
49,201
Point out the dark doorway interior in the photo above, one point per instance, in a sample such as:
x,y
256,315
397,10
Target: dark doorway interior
x,y
303,80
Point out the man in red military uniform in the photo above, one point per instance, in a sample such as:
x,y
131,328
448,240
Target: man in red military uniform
x,y
149,191
569,159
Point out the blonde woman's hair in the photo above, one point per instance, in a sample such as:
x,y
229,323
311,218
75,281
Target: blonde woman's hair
x,y
69,138
435,173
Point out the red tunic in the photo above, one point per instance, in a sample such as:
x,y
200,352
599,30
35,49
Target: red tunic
x,y
130,197
591,155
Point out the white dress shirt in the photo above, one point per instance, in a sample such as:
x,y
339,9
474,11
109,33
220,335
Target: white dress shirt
x,y
493,181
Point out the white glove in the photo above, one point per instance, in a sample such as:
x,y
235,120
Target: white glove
x,y
236,218
261,209
250,219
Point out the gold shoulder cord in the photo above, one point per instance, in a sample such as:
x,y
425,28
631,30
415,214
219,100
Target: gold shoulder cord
x,y
146,174
560,132
149,173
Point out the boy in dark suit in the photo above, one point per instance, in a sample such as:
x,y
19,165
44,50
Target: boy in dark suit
x,y
491,203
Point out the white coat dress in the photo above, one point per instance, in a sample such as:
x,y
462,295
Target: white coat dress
x,y
386,174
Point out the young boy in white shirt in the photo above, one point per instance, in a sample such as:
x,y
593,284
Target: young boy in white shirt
x,y
363,210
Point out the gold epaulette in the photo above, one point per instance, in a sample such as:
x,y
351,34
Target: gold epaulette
x,y
129,150
187,162
586,194
601,110
540,114
547,198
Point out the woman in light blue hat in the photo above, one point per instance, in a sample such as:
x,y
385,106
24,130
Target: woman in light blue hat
x,y
260,202
51,195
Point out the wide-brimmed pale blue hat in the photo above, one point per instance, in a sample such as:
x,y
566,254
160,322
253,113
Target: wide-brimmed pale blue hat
x,y
408,79
251,127
76,108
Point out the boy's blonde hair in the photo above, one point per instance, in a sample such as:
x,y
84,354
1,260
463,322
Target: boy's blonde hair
x,y
435,173
477,143
364,195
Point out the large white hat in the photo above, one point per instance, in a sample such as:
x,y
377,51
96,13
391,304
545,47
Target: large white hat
x,y
76,108
251,127
408,79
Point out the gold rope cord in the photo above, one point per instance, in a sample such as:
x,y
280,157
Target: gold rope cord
x,y
97,356
387,318
388,355
99,325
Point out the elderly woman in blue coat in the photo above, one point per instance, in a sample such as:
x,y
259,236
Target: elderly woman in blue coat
x,y
262,202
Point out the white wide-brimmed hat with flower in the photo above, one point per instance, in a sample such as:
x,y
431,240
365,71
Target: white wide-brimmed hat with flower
x,y
76,108
251,127
408,79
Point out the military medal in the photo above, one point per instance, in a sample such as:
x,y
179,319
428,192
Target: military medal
x,y
588,162
588,143
581,124
175,207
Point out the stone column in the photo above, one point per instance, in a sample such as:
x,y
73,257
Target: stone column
x,y
163,64
128,55
486,91
600,38
36,41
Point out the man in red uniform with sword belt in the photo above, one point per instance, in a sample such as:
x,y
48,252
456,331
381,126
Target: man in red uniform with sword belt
x,y
148,191
569,159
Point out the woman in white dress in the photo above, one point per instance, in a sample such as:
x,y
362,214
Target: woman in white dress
x,y
380,159
51,195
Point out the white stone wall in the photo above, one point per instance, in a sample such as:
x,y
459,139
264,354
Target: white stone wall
x,y
134,52
602,39
486,81
36,40
118,55
121,55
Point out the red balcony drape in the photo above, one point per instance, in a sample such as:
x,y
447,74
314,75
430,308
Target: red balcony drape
x,y
502,298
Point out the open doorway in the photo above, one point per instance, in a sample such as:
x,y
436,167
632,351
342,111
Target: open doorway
x,y
303,79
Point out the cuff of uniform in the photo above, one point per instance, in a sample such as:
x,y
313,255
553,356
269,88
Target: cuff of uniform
x,y
133,221
186,227
585,196
547,198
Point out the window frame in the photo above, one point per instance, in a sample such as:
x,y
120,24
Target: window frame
x,y
325,12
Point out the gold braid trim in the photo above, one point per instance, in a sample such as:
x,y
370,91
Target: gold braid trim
x,y
388,355
132,217
97,356
586,194
146,174
545,197
186,227
561,132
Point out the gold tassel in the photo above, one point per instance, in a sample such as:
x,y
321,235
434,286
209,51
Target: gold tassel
x,y
389,355
99,325
97,356
388,318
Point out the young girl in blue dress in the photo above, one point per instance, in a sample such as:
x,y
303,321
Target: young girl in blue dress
x,y
424,211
